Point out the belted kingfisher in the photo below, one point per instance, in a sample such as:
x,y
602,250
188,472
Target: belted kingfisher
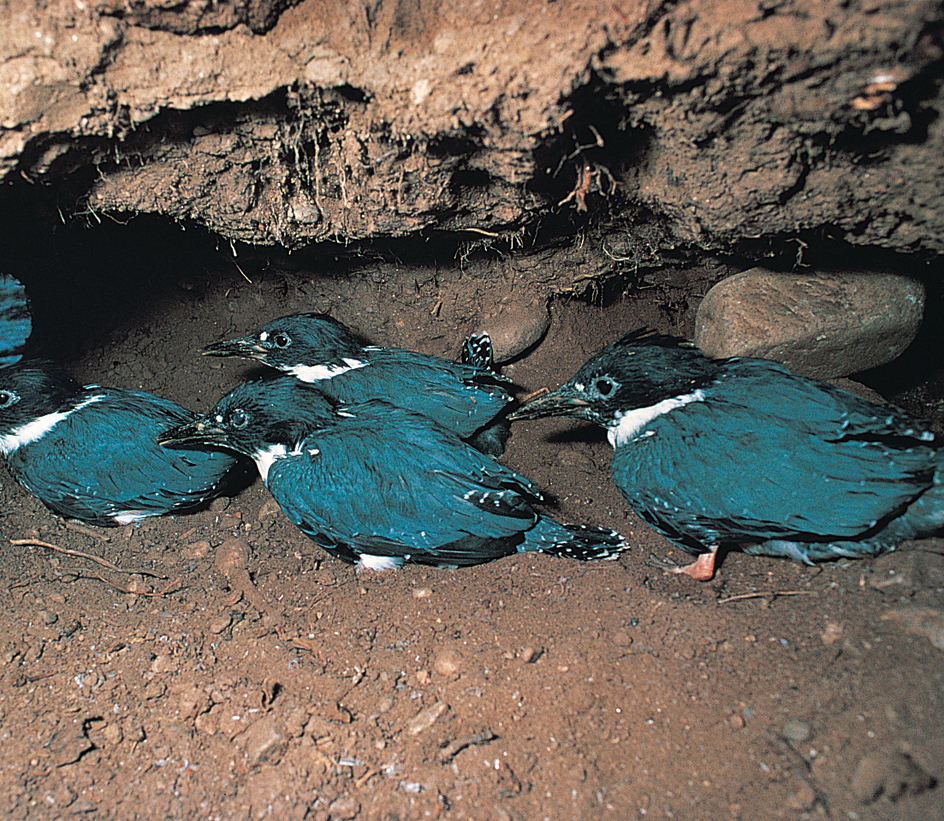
x,y
467,399
379,485
91,453
742,451
15,320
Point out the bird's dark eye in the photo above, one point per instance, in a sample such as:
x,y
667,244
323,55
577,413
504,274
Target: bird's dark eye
x,y
239,419
7,398
281,340
604,386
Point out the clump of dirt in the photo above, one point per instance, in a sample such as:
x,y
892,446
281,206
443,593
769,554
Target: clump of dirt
x,y
230,668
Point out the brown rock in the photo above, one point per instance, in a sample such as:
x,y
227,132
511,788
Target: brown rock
x,y
264,741
904,572
920,621
820,325
426,718
891,774
448,663
516,325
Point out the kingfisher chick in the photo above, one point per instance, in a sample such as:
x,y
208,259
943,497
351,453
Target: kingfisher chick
x,y
379,485
15,320
91,453
743,452
467,399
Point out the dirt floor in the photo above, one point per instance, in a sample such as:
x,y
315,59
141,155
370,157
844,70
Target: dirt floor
x,y
219,665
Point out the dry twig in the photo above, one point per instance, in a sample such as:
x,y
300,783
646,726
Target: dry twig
x,y
451,750
137,571
534,395
769,595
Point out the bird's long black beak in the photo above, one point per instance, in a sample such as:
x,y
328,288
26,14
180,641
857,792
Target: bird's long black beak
x,y
200,432
247,347
562,402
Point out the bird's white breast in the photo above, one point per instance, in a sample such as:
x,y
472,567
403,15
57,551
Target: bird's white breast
x,y
628,424
266,457
315,373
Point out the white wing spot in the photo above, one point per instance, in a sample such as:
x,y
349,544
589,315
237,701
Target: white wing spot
x,y
368,562
129,517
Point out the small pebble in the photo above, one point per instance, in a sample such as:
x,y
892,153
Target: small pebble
x,y
622,639
796,730
112,735
219,624
220,503
831,633
269,509
164,663
529,655
425,719
803,800
318,727
264,741
231,557
448,663
198,550
191,702
344,807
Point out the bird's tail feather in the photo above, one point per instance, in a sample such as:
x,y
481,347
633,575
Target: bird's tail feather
x,y
477,352
922,518
925,515
583,542
15,321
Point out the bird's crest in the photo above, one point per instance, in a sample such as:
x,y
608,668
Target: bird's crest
x,y
647,336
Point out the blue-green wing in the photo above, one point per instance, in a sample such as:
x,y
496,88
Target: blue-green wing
x,y
394,484
770,455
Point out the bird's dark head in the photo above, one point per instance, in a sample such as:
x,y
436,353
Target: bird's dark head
x,y
257,416
298,339
638,370
33,388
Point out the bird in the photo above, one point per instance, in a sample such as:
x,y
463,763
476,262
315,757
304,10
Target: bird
x,y
91,453
742,452
15,320
379,486
467,398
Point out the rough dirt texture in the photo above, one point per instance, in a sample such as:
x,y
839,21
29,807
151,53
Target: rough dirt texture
x,y
233,670
710,123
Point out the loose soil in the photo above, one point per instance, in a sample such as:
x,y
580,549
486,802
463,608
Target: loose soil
x,y
231,669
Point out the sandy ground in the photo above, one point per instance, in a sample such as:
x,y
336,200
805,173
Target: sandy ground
x,y
222,666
